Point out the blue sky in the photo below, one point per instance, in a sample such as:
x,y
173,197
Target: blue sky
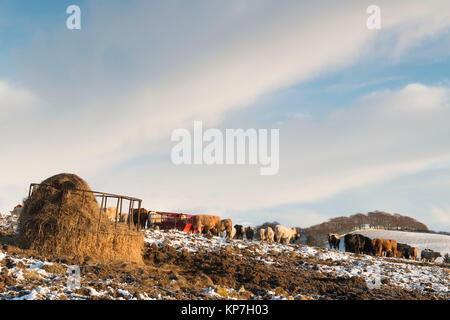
x,y
363,114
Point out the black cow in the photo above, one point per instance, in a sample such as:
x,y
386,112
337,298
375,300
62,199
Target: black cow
x,y
403,250
249,233
429,255
139,216
334,240
406,251
358,243
240,231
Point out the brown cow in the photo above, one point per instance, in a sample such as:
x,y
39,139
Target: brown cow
x,y
387,246
226,225
140,216
415,253
206,222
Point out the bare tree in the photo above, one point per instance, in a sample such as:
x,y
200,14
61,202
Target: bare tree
x,y
377,219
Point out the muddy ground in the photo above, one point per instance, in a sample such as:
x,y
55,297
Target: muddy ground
x,y
226,268
228,272
171,274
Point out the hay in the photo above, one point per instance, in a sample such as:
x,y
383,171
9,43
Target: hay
x,y
60,221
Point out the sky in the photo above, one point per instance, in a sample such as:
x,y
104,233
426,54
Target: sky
x,y
363,114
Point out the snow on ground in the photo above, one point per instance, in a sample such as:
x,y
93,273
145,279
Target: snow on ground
x,y
403,273
7,220
376,271
435,242
36,280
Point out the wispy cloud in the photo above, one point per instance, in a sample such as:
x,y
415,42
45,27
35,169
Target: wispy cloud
x,y
114,91
351,148
342,87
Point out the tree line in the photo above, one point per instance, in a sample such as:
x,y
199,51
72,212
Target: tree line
x,y
374,219
316,234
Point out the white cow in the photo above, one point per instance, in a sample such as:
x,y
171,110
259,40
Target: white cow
x,y
285,233
262,234
270,234
233,232
111,213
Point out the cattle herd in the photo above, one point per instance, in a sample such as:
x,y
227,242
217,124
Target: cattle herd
x,y
216,226
212,225
360,244
209,224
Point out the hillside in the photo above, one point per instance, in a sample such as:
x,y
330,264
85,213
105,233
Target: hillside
x,y
373,219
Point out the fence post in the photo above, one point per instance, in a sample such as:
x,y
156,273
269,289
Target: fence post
x,y
131,215
100,216
138,224
120,215
117,209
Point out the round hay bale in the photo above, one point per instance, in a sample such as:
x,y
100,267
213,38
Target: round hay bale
x,y
58,220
